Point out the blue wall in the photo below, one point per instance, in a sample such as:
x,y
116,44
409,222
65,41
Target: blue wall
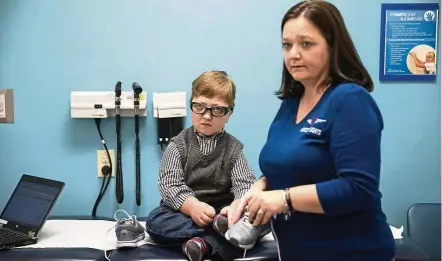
x,y
50,48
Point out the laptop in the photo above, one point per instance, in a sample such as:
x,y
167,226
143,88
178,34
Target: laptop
x,y
27,210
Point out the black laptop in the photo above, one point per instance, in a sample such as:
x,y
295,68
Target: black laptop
x,y
27,210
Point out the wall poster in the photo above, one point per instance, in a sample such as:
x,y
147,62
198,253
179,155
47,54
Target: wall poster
x,y
408,44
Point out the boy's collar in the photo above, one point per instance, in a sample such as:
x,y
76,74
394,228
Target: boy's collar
x,y
211,136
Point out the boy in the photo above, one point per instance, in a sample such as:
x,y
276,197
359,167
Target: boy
x,y
203,172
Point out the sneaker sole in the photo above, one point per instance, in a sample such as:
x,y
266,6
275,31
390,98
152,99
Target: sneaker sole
x,y
220,227
193,254
130,244
235,242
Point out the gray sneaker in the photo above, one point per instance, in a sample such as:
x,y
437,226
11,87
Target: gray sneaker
x,y
129,232
245,235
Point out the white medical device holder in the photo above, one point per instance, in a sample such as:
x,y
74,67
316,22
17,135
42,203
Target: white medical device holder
x,y
169,104
101,104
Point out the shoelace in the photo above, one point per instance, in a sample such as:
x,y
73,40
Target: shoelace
x,y
130,218
246,226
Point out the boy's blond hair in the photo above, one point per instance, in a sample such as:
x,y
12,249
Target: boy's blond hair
x,y
213,84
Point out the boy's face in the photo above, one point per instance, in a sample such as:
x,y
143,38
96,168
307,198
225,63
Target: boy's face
x,y
203,120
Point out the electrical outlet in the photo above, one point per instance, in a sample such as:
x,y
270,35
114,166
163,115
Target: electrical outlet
x,y
103,160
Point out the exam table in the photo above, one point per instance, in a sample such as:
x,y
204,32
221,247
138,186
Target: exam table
x,y
406,250
263,251
31,253
266,250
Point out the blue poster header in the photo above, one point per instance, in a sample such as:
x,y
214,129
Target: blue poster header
x,y
408,42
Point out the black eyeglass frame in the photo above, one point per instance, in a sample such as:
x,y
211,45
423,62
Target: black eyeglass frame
x,y
226,109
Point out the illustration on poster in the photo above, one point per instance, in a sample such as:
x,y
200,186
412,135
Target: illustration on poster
x,y
422,60
429,16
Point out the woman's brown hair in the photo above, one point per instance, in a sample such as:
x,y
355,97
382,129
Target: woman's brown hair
x,y
345,63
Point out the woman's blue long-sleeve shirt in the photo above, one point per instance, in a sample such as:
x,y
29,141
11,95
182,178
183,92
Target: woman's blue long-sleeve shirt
x,y
337,147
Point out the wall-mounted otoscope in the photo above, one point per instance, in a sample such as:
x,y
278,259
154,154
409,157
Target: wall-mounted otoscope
x,y
107,104
119,176
137,91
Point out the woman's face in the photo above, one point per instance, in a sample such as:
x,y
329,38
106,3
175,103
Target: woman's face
x,y
306,53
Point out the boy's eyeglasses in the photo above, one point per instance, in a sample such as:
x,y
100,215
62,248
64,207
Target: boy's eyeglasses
x,y
216,111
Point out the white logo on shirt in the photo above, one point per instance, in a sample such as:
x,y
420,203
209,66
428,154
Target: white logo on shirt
x,y
311,129
315,120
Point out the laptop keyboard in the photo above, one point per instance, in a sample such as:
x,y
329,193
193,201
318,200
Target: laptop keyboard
x,y
8,236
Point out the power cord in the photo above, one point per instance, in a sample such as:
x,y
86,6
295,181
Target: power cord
x,y
105,170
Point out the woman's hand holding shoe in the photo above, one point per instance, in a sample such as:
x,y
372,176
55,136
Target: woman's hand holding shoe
x,y
264,205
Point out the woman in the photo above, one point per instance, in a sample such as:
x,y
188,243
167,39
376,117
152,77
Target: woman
x,y
321,161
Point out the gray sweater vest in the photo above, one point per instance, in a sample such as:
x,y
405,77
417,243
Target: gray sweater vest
x,y
208,175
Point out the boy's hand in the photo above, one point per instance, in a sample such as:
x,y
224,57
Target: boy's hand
x,y
224,211
202,213
229,211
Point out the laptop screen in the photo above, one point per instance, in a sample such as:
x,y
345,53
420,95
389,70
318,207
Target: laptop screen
x,y
32,201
